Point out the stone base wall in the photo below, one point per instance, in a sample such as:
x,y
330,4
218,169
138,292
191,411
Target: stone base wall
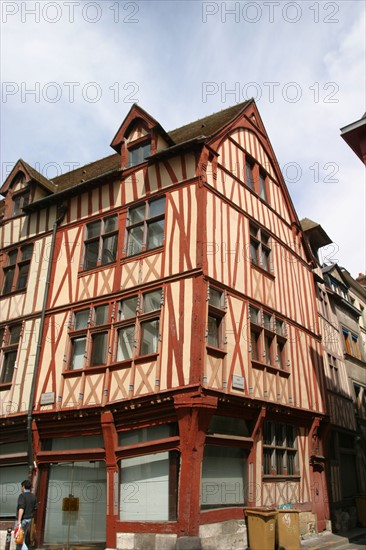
x,y
226,535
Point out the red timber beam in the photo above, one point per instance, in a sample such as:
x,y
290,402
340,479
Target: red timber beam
x,y
194,412
252,458
110,444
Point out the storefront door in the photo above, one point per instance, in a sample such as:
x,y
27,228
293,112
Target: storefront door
x,y
76,505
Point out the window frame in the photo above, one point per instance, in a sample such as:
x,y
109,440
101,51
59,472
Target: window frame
x,y
109,328
137,322
145,223
87,333
260,242
267,338
216,313
139,147
278,448
12,271
9,348
100,238
351,344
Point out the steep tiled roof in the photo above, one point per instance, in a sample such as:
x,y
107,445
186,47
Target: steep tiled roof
x,y
37,176
206,127
89,171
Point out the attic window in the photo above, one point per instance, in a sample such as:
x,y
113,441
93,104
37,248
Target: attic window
x,y
138,154
19,201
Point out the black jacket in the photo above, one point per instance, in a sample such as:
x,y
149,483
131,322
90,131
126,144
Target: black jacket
x,y
28,502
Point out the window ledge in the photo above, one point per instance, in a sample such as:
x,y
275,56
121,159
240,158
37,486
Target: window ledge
x,y
263,271
270,368
146,358
142,254
12,292
274,478
217,352
92,270
87,370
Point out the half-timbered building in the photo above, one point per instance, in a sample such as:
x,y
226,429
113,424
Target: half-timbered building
x,y
180,375
341,325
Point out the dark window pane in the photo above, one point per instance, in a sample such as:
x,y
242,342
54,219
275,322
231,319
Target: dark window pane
x,y
254,315
101,315
279,461
254,339
268,348
2,333
249,175
81,319
22,276
254,252
126,340
27,252
8,279
267,453
267,433
91,254
155,234
99,349
265,259
16,205
262,187
12,257
77,353
135,240
93,229
157,208
151,301
291,463
8,367
216,298
128,307
267,321
149,337
213,331
110,224
109,250
14,334
136,214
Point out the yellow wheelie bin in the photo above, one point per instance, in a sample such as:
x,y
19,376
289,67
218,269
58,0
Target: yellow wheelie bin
x,y
261,528
288,529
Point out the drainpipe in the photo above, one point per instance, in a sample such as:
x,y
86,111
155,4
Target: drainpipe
x,y
62,211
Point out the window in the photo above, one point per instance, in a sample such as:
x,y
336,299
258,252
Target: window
x,y
98,336
89,337
279,449
216,314
9,342
223,477
333,372
19,201
267,338
351,343
256,179
145,226
260,249
137,155
100,244
138,327
153,477
15,272
249,175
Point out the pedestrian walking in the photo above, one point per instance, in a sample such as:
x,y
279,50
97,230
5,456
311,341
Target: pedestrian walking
x,y
26,507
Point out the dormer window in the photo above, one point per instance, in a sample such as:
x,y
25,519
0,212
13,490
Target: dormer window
x,y
20,200
138,154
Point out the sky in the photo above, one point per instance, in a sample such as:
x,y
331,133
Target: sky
x,y
70,71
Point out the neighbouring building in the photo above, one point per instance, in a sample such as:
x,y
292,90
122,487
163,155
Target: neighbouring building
x,y
354,135
341,306
161,355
